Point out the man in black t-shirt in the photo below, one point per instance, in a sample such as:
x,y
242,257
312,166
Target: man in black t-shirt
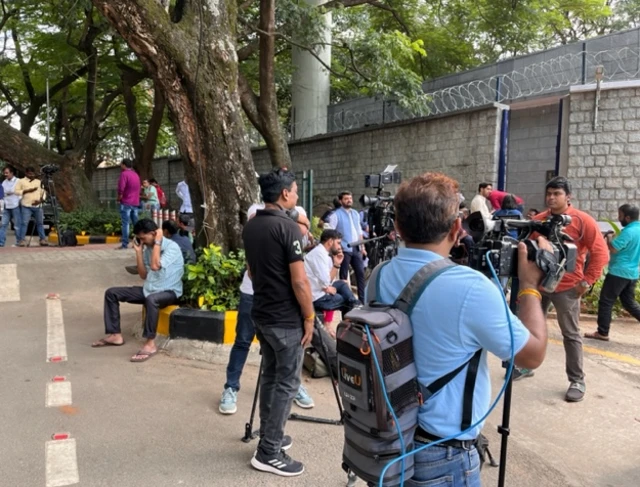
x,y
282,313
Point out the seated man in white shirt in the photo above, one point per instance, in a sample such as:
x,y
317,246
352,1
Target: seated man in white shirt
x,y
322,265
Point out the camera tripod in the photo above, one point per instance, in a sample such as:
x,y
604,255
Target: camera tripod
x,y
503,429
47,187
250,434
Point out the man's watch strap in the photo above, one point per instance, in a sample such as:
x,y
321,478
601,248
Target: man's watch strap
x,y
158,242
336,267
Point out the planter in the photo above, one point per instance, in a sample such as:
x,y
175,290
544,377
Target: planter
x,y
210,326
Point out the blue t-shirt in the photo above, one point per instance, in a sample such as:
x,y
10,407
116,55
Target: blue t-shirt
x,y
460,312
624,263
169,276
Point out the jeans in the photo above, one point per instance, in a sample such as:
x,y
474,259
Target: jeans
x,y
567,304
445,466
279,383
7,215
127,212
612,288
354,259
245,332
134,295
25,215
342,297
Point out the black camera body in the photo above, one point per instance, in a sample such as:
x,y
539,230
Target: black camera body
x,y
502,249
48,170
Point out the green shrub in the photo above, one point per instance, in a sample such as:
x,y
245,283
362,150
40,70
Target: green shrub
x,y
315,229
213,282
94,221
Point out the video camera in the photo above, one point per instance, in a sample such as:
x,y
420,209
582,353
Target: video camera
x,y
503,247
49,170
382,244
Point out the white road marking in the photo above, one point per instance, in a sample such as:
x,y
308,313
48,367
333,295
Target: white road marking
x,y
61,463
58,394
9,283
56,342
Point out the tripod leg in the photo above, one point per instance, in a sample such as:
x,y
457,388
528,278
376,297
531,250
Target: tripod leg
x,y
249,434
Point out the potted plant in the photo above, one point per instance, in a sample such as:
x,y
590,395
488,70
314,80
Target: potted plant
x,y
210,296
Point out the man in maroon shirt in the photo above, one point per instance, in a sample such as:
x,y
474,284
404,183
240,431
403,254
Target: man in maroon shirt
x,y
496,197
129,198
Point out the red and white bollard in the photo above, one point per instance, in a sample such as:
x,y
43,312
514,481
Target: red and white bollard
x,y
165,215
154,216
172,215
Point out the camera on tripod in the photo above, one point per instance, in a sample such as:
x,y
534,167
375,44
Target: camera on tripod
x,y
503,247
48,170
382,244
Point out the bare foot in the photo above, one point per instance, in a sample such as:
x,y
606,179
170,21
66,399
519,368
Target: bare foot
x,y
109,341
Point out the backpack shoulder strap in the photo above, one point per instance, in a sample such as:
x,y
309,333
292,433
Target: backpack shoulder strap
x,y
419,282
373,286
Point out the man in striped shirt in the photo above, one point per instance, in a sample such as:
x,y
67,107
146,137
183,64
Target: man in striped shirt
x,y
161,265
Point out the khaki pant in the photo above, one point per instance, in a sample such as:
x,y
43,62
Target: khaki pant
x,y
567,305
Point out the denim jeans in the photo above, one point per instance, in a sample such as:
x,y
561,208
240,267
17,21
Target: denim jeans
x,y
7,215
355,260
127,212
343,296
244,336
445,466
279,383
25,215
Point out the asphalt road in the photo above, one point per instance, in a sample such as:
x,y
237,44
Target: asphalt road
x,y
156,423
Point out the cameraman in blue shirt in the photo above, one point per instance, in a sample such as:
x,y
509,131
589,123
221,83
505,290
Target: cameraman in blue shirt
x,y
463,312
623,272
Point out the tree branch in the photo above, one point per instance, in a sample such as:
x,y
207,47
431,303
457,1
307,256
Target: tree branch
x,y
23,67
7,94
249,101
246,51
267,103
6,15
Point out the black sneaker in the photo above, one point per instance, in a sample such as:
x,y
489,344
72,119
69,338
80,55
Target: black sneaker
x,y
279,464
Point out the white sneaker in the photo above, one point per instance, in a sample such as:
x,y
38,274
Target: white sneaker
x,y
228,401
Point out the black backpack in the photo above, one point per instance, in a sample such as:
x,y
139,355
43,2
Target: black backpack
x,y
68,239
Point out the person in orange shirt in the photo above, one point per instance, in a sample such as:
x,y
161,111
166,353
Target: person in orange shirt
x,y
566,299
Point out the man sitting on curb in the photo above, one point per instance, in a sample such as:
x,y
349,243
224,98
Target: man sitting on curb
x,y
322,265
161,265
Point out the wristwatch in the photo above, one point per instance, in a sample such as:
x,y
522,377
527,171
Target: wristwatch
x,y
584,284
158,242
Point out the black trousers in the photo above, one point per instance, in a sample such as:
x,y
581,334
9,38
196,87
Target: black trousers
x,y
134,295
612,288
354,259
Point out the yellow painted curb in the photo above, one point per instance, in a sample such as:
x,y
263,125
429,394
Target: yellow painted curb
x,y
87,239
230,321
164,318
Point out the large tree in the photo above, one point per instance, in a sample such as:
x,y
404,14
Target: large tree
x,y
191,56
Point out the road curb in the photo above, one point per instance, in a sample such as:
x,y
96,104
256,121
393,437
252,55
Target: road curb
x,y
594,318
88,239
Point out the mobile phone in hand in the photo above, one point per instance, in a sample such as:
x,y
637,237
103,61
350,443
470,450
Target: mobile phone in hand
x,y
136,242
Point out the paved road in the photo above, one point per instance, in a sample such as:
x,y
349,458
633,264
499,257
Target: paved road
x,y
157,423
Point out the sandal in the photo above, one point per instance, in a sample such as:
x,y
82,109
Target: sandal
x,y
104,343
597,336
144,356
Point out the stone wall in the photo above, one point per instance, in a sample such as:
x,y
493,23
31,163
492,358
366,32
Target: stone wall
x,y
604,164
464,145
533,137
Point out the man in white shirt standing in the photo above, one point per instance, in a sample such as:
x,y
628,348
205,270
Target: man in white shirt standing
x,y
481,203
322,265
182,190
11,206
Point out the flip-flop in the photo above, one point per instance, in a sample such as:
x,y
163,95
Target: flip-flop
x,y
596,336
104,343
146,356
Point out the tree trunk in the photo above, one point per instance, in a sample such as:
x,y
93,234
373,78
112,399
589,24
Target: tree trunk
x,y
151,139
72,186
205,109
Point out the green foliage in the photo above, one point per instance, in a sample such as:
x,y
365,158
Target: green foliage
x,y
590,301
315,228
93,221
213,282
614,225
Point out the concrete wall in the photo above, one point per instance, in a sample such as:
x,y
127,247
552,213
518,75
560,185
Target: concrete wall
x,y
168,172
533,137
604,164
464,145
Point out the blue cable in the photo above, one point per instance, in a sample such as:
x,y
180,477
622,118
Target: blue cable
x,y
473,426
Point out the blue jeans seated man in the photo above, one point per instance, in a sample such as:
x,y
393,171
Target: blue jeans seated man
x,y
25,216
342,298
245,333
